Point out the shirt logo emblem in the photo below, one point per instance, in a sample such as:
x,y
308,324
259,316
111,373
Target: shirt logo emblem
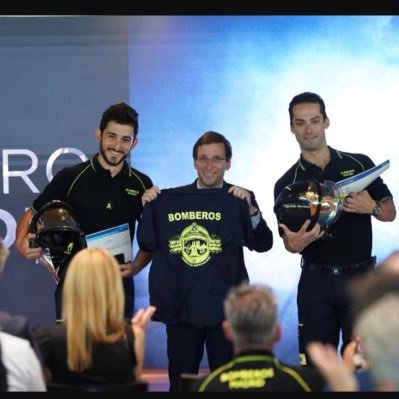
x,y
109,206
69,249
195,245
132,192
347,173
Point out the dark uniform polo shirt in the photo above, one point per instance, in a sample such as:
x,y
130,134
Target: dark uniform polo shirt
x,y
197,239
350,238
99,200
259,371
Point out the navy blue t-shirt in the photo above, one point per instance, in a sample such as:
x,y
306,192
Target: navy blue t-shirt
x,y
197,239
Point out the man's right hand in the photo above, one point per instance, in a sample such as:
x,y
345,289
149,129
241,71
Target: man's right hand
x,y
24,248
296,241
150,194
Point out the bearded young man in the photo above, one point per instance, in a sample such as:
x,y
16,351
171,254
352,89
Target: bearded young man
x,y
104,192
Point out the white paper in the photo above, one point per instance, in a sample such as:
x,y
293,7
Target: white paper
x,y
360,181
47,263
116,240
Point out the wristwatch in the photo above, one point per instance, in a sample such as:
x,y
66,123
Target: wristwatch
x,y
377,209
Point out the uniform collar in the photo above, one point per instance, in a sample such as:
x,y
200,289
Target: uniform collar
x,y
305,165
98,168
252,352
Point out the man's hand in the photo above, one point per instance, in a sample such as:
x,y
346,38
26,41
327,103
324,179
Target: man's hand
x,y
337,375
150,194
143,317
127,269
24,248
296,241
240,192
359,203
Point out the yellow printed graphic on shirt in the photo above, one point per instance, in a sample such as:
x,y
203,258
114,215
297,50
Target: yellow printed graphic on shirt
x,y
195,245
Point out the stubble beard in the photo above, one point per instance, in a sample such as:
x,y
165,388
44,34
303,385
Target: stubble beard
x,y
107,160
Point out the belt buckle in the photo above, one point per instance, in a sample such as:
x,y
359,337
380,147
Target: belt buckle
x,y
336,271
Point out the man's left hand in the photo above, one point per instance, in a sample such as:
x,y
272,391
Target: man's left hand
x,y
240,192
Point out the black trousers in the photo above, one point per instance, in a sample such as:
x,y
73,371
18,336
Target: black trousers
x,y
185,347
323,306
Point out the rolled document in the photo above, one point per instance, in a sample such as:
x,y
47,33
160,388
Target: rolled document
x,y
360,181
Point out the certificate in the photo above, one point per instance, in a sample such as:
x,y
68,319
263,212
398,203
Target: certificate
x,y
116,240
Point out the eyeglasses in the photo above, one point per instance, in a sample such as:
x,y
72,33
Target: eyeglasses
x,y
215,160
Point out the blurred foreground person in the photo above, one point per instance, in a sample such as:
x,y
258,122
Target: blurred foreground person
x,y
94,344
252,325
20,368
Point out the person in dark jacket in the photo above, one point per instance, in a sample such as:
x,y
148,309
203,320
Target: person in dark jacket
x,y
252,325
196,234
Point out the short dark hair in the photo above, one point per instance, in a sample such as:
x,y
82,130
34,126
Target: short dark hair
x,y
307,97
211,137
120,113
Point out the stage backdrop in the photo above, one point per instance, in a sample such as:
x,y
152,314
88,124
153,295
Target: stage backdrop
x,y
186,75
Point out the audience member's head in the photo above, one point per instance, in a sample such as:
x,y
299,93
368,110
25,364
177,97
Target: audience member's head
x,y
93,302
378,325
251,313
366,289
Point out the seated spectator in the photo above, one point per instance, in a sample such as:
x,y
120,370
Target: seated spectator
x,y
21,365
364,292
251,313
94,344
378,325
20,369
17,325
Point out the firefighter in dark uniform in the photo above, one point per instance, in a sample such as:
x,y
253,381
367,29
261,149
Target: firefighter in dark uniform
x,y
252,325
103,192
329,259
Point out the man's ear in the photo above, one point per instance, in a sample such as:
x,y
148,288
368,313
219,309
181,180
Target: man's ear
x,y
278,332
227,330
134,143
98,134
327,123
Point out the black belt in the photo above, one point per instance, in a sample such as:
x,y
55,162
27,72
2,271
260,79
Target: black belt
x,y
338,270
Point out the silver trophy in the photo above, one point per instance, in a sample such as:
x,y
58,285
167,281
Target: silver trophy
x,y
321,202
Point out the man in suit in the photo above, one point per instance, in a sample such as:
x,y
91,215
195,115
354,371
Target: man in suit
x,y
196,234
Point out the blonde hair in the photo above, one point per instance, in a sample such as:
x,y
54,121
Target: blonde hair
x,y
93,302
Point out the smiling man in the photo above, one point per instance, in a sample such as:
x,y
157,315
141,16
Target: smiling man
x,y
329,261
197,233
104,192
